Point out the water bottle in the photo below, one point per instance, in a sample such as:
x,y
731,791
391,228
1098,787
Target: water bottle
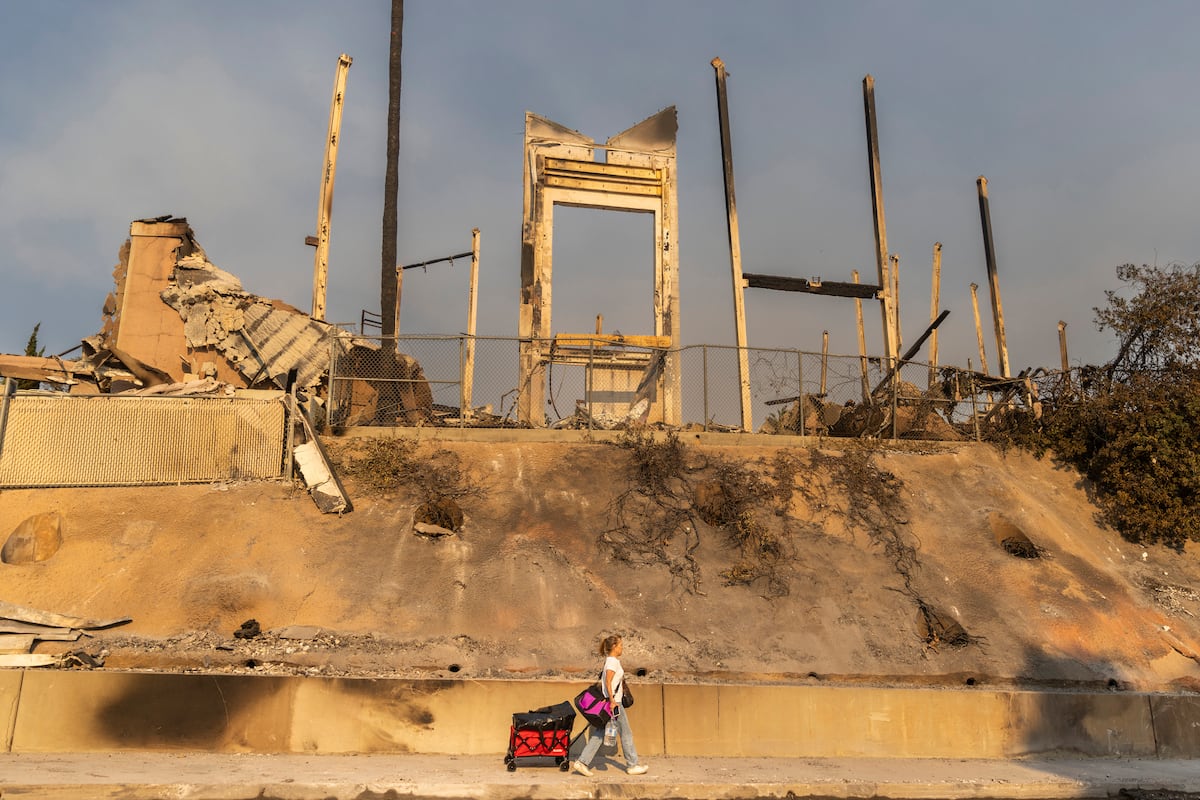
x,y
610,732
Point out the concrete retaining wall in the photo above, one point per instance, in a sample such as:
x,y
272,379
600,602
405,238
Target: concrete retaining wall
x,y
58,711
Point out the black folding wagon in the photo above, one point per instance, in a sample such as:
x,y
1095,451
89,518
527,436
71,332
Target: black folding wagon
x,y
542,733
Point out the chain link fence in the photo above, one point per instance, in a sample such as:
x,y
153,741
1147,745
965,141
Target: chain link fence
x,y
433,380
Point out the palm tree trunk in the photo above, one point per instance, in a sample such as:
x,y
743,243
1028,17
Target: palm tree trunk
x,y
389,299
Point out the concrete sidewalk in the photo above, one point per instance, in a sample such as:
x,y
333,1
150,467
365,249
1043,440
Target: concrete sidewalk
x,y
205,776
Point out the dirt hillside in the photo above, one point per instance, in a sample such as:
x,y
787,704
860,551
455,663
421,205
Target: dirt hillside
x,y
746,563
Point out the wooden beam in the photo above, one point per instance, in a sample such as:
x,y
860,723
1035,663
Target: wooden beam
x,y
934,302
735,249
830,288
862,345
978,328
606,187
891,346
912,351
563,166
468,376
989,252
609,340
328,172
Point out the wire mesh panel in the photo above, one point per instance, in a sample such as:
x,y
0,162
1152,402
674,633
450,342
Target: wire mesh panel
x,y
63,440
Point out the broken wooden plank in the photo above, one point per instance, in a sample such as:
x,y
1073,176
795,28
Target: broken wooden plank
x,y
12,626
12,611
16,643
20,660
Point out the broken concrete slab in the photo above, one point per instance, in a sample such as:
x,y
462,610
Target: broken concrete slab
x,y
37,538
317,470
299,632
318,478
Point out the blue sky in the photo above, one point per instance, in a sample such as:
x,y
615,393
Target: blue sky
x,y
1077,113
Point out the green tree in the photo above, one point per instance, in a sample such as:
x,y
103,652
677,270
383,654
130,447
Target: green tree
x,y
1132,426
32,349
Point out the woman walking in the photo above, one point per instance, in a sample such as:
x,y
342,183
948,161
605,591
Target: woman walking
x,y
613,680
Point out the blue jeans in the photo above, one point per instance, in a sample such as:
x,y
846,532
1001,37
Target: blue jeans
x,y
595,737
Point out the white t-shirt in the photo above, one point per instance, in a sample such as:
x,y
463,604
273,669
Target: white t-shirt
x,y
614,666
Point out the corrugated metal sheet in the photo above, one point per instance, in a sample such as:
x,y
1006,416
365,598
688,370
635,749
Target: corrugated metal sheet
x,y
263,340
276,341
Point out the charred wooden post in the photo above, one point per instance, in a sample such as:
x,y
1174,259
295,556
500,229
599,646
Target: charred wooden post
x,y
989,252
891,345
1062,346
862,346
9,388
978,327
468,375
910,353
735,247
934,302
779,283
325,205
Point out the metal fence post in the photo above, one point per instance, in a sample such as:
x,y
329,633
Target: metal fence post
x,y
800,381
895,398
591,375
329,412
704,380
8,388
462,382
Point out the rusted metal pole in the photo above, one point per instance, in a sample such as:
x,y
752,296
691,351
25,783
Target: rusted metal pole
x,y
862,345
891,346
328,172
895,259
824,360
978,327
468,376
735,248
934,301
989,252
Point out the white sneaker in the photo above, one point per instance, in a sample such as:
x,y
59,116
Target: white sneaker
x,y
582,769
637,769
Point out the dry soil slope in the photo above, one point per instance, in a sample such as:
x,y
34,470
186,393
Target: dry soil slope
x,y
526,585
